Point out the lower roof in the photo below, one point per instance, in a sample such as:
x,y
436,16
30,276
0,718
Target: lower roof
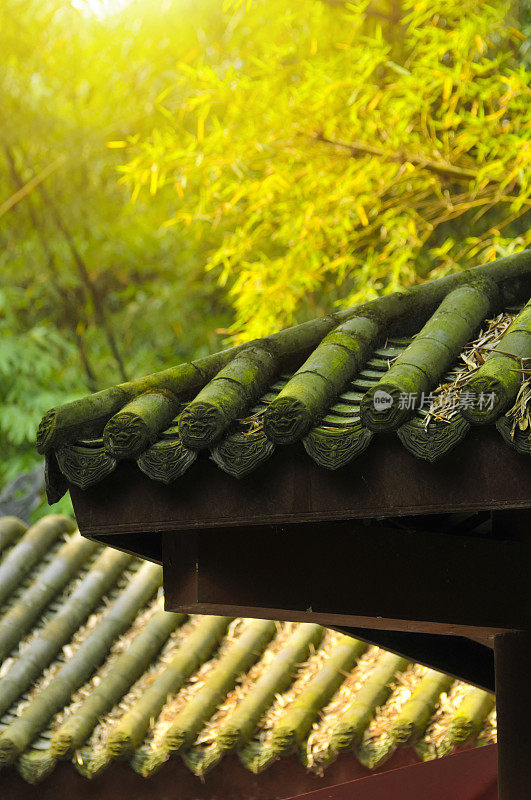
x,y
94,671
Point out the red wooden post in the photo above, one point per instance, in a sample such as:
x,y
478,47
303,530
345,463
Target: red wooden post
x,y
512,653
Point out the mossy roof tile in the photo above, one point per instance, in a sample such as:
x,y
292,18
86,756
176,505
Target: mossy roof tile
x,y
360,371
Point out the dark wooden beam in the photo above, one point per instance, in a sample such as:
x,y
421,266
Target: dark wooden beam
x,y
456,655
481,474
230,780
144,545
465,659
400,579
405,590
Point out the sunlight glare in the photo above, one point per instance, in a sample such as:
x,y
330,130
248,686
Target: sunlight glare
x,y
100,8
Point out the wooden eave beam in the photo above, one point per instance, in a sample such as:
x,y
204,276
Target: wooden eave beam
x,y
386,585
482,473
401,580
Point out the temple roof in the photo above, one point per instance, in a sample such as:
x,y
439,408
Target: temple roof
x,y
425,365
94,670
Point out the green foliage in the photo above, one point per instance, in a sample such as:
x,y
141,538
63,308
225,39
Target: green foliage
x,y
83,269
237,123
327,153
37,370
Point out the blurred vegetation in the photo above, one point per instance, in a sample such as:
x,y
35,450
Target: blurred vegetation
x,y
92,289
282,158
330,151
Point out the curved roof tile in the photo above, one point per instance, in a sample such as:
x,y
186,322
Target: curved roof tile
x,y
332,384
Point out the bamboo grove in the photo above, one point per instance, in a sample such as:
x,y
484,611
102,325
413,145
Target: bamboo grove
x,y
330,151
285,162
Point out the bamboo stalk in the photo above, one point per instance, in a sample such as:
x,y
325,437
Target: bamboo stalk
x,y
30,549
47,584
16,737
32,184
237,659
11,529
127,668
468,721
76,608
501,376
74,311
295,722
417,371
86,279
87,417
130,731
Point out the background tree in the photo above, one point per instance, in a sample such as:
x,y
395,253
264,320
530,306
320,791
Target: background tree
x,y
326,152
283,157
92,290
